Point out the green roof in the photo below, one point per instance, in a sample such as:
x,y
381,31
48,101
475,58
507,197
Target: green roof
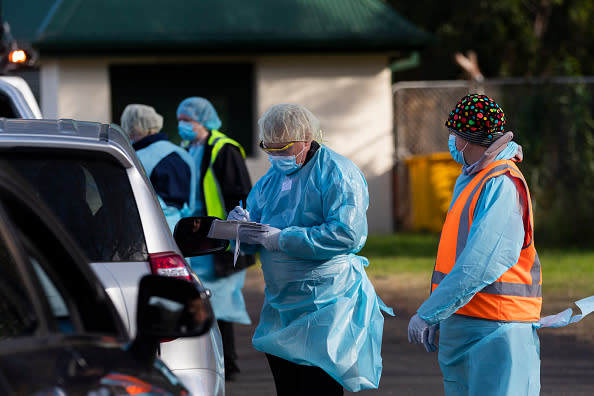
x,y
25,16
216,25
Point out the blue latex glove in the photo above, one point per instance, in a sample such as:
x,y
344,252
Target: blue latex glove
x,y
429,340
267,236
239,214
420,332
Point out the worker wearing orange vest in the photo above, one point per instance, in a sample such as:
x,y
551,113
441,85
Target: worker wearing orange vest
x,y
486,285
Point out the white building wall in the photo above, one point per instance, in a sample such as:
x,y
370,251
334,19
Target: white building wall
x,y
49,87
76,89
351,95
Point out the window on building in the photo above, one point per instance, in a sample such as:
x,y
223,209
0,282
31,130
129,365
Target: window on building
x,y
229,87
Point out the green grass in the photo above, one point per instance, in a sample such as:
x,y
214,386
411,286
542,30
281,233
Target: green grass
x,y
567,271
402,252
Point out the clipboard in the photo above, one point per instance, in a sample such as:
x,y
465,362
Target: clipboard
x,y
229,229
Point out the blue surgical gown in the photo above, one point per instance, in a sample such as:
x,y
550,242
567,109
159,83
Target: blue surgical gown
x,y
155,153
479,356
320,308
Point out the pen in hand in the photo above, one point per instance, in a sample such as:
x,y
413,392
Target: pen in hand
x,y
239,213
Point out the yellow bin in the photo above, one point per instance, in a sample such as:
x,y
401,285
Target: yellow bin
x,y
431,180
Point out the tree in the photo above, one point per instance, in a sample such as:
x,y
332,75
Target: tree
x,y
554,122
512,38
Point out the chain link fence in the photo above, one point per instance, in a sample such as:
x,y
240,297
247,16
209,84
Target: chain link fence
x,y
553,120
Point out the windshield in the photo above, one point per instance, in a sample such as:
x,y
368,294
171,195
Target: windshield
x,y
91,195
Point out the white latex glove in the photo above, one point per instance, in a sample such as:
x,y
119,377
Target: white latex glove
x,y
420,332
267,237
239,214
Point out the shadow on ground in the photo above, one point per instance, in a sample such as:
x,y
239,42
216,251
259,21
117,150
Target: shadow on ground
x,y
567,365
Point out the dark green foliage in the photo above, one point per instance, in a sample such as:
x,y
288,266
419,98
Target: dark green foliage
x,y
512,38
557,127
553,122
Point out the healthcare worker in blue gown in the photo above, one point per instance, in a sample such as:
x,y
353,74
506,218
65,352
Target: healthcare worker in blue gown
x,y
486,287
321,323
168,166
222,181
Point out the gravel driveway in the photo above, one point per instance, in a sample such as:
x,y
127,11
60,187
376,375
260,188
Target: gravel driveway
x,y
567,365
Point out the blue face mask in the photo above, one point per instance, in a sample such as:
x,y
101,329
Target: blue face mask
x,y
285,164
458,156
184,128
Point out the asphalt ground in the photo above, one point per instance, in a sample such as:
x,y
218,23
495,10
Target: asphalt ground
x,y
567,357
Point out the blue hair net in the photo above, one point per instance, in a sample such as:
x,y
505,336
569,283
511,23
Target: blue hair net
x,y
200,110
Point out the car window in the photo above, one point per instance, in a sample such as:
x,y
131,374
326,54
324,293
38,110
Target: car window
x,y
56,300
68,296
16,309
6,106
91,195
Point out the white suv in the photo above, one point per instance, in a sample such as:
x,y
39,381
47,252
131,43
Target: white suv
x,y
88,173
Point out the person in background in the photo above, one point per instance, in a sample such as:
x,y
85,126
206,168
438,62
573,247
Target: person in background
x,y
321,324
222,181
486,286
169,167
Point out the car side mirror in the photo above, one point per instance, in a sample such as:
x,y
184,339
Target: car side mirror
x,y
190,233
169,308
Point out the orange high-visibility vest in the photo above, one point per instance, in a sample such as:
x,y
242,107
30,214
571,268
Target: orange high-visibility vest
x,y
517,294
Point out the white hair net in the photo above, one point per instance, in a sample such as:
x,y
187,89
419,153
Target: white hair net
x,y
288,122
140,120
200,110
